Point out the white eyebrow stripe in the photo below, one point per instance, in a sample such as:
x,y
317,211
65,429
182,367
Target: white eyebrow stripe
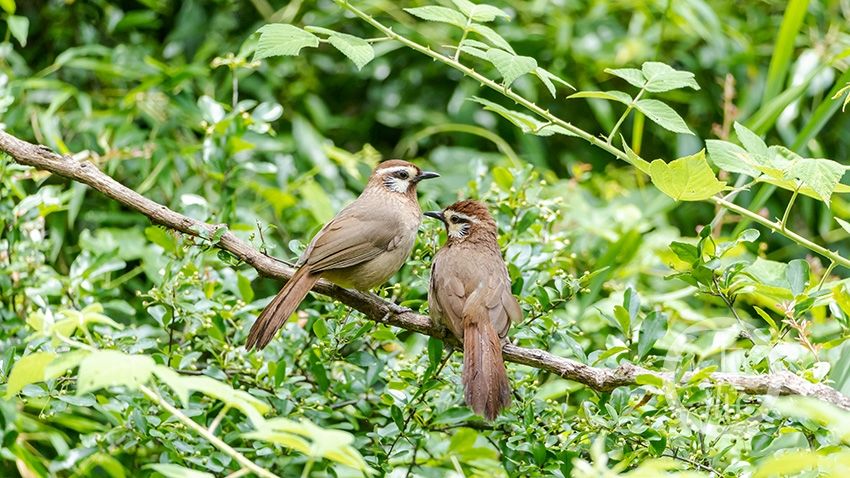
x,y
464,216
394,169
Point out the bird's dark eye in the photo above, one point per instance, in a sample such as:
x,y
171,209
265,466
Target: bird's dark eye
x,y
455,220
403,175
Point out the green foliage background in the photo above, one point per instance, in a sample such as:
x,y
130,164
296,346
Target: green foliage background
x,y
166,98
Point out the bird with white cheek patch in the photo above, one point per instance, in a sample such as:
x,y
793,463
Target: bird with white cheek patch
x,y
470,294
360,248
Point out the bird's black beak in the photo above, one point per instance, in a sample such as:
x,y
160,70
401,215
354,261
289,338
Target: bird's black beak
x,y
425,175
436,215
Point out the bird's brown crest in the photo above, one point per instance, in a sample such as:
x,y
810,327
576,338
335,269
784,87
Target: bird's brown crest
x,y
395,163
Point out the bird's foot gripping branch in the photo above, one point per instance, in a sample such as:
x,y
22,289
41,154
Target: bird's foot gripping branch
x,y
376,309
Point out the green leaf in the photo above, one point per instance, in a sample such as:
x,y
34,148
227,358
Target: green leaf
x,y
632,158
548,78
333,445
433,13
19,28
491,36
108,368
822,175
784,46
510,66
685,252
435,352
649,379
282,39
798,275
633,76
788,463
320,328
184,385
479,12
753,143
245,289
844,224
474,51
503,178
730,157
686,179
8,6
64,362
653,327
612,95
27,370
356,49
176,471
661,77
527,123
663,115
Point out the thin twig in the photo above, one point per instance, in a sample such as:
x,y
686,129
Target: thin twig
x,y
381,311
216,441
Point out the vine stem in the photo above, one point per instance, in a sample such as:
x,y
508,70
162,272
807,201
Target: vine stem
x,y
216,441
777,227
635,160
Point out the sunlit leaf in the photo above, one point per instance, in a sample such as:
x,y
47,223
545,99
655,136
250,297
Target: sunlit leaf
x,y
661,77
686,179
358,50
282,39
434,13
170,470
108,368
663,115
633,76
479,12
730,157
28,369
491,36
821,175
612,95
511,66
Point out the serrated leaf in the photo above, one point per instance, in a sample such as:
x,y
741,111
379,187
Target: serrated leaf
x,y
108,368
474,51
752,142
730,157
479,12
510,66
27,370
433,13
632,158
612,95
663,115
491,36
822,175
661,77
282,39
358,50
632,75
19,28
686,179
548,79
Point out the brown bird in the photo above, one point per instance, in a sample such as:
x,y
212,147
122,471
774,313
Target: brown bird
x,y
360,248
470,294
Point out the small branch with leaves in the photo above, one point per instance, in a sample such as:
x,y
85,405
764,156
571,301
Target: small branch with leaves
x,y
379,310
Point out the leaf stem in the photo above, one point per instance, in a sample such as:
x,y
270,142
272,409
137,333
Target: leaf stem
x,y
463,38
788,208
216,441
590,138
776,227
624,115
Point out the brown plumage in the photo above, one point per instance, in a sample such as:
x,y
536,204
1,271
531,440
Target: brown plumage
x,y
470,294
365,244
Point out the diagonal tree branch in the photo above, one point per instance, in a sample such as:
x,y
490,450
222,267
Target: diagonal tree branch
x,y
378,310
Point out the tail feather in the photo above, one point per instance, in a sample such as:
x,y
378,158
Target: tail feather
x,y
275,314
485,381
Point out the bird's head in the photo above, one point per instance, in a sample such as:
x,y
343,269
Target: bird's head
x,y
397,176
466,219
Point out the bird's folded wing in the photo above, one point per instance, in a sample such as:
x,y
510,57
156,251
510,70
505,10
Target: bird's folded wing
x,y
351,238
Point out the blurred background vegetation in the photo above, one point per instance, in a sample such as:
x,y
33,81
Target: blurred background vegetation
x,y
164,97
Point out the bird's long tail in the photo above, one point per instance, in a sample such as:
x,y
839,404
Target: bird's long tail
x,y
485,380
275,314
